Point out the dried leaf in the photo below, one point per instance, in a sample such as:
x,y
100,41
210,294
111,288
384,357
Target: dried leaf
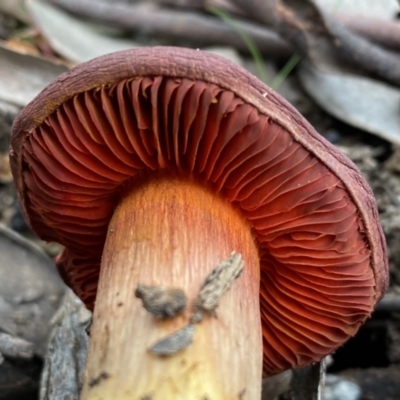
x,y
374,20
73,39
66,354
337,388
359,101
30,290
15,8
383,9
23,76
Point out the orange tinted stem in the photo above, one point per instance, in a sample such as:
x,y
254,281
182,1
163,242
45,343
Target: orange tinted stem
x,y
174,232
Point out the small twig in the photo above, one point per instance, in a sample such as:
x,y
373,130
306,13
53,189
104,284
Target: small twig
x,y
177,24
386,33
322,38
193,26
308,382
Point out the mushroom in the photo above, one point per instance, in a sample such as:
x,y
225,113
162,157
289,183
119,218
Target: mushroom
x,y
151,166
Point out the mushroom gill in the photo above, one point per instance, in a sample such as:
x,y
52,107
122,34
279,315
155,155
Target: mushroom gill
x,y
317,285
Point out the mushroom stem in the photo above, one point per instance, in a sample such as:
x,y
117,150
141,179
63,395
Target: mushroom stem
x,y
173,232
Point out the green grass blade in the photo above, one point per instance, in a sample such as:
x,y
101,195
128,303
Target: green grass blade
x,y
249,42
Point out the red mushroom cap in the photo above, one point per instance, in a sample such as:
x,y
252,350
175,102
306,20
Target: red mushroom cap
x,y
322,252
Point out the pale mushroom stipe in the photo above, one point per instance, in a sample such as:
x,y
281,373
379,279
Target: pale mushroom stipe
x,y
186,158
